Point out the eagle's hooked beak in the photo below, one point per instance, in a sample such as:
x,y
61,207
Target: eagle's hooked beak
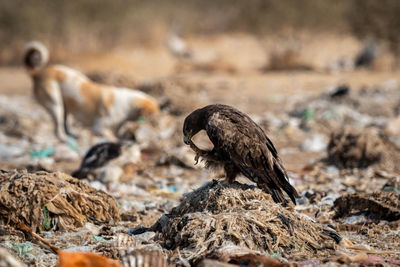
x,y
187,138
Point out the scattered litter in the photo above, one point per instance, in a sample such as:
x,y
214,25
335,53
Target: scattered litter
x,y
347,259
145,134
214,263
46,152
142,258
393,184
373,260
144,237
22,250
307,114
328,200
72,144
10,152
99,238
339,106
314,144
308,263
240,255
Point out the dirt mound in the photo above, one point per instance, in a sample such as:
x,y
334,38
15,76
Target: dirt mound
x,y
47,201
352,147
376,206
288,59
215,216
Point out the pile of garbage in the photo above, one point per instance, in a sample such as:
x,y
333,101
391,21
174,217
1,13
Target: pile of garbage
x,y
46,201
215,217
352,147
376,207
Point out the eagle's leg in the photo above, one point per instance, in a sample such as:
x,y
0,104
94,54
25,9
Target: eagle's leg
x,y
231,172
201,153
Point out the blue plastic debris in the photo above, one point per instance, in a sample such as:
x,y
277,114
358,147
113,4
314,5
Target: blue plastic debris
x,y
42,153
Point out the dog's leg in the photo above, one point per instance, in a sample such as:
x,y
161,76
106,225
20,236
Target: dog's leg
x,y
50,97
66,127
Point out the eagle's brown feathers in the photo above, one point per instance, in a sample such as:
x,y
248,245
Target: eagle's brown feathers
x,y
240,146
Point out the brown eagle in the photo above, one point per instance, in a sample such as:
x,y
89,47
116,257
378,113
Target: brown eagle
x,y
240,146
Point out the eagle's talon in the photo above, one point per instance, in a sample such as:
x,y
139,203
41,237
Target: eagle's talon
x,y
197,151
195,148
196,158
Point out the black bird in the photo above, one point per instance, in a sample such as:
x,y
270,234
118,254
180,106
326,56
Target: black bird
x,y
97,156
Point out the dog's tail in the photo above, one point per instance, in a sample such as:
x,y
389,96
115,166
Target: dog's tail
x,y
35,56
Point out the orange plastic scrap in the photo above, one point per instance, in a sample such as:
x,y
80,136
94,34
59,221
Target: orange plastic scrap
x,y
84,259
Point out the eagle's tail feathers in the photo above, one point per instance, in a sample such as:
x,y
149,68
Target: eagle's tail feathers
x,y
283,182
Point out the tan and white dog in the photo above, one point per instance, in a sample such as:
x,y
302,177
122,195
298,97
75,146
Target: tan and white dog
x,y
62,91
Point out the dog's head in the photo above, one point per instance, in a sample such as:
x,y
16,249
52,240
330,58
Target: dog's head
x,y
149,107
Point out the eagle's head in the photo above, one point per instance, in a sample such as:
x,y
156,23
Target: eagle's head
x,y
192,125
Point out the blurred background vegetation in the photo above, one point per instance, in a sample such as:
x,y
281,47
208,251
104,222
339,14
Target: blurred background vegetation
x,y
83,25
